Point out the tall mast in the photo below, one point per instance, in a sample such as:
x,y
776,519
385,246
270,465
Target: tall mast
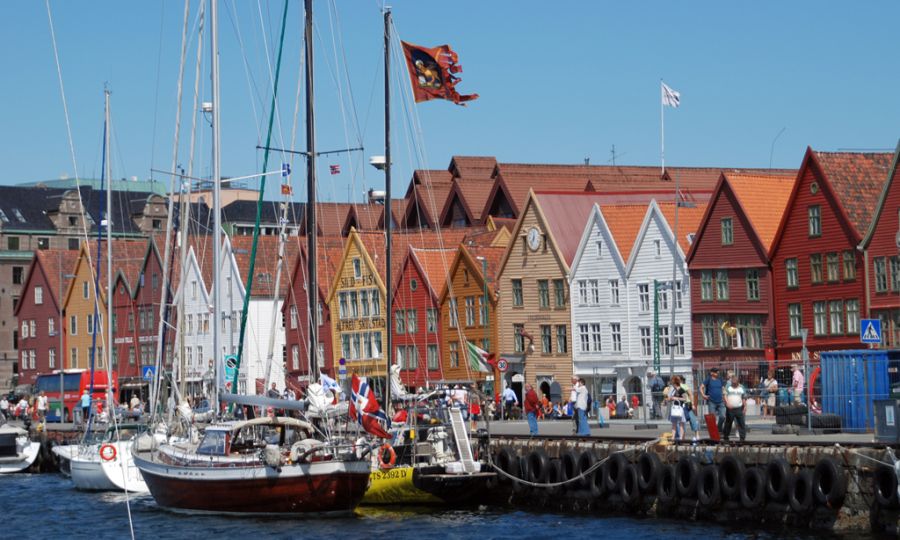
x,y
109,280
388,216
311,260
217,204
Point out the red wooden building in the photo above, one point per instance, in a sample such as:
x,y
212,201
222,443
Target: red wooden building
x,y
416,329
818,271
731,285
881,251
41,337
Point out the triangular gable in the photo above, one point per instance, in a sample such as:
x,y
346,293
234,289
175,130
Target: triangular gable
x,y
464,258
33,266
532,202
455,204
596,219
229,259
499,202
882,199
192,267
82,257
353,239
654,215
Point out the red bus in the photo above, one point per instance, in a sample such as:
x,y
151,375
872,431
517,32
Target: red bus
x,y
75,382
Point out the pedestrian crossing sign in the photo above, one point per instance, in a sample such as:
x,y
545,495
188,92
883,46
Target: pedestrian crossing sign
x,y
870,331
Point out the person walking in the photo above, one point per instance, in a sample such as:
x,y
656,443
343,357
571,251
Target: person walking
x,y
657,385
4,409
581,407
771,385
573,398
85,403
42,403
509,401
531,409
797,383
678,398
712,390
736,406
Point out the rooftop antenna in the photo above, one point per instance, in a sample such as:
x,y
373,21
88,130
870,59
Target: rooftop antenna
x,y
587,161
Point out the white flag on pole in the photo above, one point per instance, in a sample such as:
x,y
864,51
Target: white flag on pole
x,y
670,97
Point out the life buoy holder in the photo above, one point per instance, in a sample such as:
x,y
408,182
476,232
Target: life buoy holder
x,y
107,452
386,464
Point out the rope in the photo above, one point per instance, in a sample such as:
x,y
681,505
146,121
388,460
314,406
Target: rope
x,y
581,475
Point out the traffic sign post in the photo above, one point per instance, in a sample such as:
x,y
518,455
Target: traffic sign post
x,y
147,372
870,331
502,365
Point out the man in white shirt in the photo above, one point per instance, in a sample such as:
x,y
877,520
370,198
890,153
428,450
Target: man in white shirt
x,y
4,409
735,405
509,401
573,399
42,406
581,405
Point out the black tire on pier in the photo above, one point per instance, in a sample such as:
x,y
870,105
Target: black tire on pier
x,y
568,465
628,486
709,488
508,462
538,466
885,488
554,476
524,474
731,470
648,466
586,460
800,493
753,488
687,473
614,466
778,479
598,481
666,488
829,485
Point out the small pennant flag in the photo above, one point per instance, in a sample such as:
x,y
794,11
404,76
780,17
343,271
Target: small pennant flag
x,y
670,97
479,359
335,169
286,189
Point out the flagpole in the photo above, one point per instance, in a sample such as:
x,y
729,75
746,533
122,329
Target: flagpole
x,y
662,129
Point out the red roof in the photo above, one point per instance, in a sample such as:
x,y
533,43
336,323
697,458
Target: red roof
x,y
57,263
435,266
624,222
493,256
266,262
688,220
374,244
857,179
763,199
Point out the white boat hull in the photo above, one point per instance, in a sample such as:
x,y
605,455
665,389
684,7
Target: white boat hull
x,y
87,471
64,455
122,472
28,452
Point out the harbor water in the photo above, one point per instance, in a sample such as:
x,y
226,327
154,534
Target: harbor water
x,y
47,506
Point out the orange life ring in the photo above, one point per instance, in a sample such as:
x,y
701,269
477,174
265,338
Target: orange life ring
x,y
392,457
107,452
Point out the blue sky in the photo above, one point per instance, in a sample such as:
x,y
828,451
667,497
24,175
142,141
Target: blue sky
x,y
559,81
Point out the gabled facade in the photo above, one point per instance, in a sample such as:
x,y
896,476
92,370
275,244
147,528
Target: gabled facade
x,y
880,251
416,320
192,339
819,274
729,268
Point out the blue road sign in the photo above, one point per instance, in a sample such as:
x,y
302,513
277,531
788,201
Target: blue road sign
x,y
870,331
147,372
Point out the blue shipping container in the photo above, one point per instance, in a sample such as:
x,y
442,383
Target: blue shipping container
x,y
852,380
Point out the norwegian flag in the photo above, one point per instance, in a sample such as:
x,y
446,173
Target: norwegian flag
x,y
335,169
365,408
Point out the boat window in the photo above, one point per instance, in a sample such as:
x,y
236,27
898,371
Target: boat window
x,y
214,443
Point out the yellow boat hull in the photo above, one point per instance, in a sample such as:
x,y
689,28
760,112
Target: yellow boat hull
x,y
395,486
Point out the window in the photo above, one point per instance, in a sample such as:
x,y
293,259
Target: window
x,y
679,340
518,338
517,293
73,244
400,321
815,222
678,297
24,331
294,316
646,342
599,248
51,358
38,295
412,357
454,313
43,243
709,328
412,323
662,298
342,305
644,296
543,293
413,284
73,325
615,331
595,291
320,313
790,270
51,327
881,283
432,357
836,316
596,338
357,268
614,292
722,284
657,248
820,319
12,243
33,324
727,232
562,339
194,289
795,318
130,321
664,340
706,286
815,267
849,265
753,285
73,357
295,357
376,302
584,338
749,334
470,311
852,309
559,291
895,273
154,280
354,305
546,339
454,354
431,320
482,312
189,324
485,344
364,302
582,292
833,267
345,346
18,275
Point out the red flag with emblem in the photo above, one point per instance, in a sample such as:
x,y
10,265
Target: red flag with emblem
x,y
433,73
365,409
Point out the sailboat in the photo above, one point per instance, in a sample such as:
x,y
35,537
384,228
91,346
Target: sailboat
x,y
267,465
17,451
